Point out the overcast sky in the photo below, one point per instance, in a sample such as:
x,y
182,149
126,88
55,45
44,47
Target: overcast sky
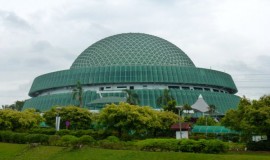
x,y
37,37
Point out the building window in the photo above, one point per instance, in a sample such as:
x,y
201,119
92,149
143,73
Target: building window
x,y
173,87
198,88
101,88
131,87
185,88
121,86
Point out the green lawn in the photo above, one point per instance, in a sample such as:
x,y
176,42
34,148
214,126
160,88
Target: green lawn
x,y
23,152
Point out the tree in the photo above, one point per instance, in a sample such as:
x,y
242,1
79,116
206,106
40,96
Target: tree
x,y
14,120
79,118
18,105
209,120
211,109
132,97
171,106
164,99
251,117
141,121
77,93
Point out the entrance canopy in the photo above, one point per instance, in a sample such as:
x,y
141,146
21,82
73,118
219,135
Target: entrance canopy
x,y
212,129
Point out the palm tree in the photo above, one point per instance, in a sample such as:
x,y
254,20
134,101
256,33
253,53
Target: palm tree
x,y
77,93
211,109
164,99
132,97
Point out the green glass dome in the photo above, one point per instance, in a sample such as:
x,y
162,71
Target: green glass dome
x,y
132,49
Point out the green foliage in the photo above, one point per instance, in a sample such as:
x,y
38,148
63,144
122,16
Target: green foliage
x,y
77,93
86,140
16,120
214,146
37,138
68,140
138,121
184,145
171,106
18,105
164,99
209,121
79,118
132,97
250,117
159,145
54,140
259,146
47,131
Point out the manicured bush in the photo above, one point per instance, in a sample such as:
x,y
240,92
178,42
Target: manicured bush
x,y
19,138
63,132
159,145
47,131
54,140
259,146
86,140
37,138
214,146
111,142
184,145
6,136
68,140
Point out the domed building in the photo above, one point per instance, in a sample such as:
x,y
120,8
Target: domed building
x,y
140,62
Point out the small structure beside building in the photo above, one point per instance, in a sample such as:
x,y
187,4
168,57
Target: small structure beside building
x,y
185,130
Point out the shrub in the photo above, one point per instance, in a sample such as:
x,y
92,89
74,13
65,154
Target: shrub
x,y
54,140
47,131
189,145
259,146
214,146
37,138
113,139
86,140
184,145
80,133
6,136
159,145
19,138
68,140
63,132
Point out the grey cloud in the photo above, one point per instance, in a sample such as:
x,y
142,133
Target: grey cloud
x,y
10,19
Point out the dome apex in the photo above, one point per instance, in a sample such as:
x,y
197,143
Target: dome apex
x,y
132,49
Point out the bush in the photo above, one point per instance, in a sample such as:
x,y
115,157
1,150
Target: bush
x,y
214,146
47,131
259,146
86,140
189,145
37,138
6,136
54,140
184,145
159,145
68,140
19,138
63,132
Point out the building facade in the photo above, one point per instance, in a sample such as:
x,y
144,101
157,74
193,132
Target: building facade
x,y
140,62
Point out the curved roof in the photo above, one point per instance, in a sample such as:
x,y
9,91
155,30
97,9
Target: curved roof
x,y
132,49
133,74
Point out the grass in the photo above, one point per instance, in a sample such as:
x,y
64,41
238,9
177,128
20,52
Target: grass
x,y
24,152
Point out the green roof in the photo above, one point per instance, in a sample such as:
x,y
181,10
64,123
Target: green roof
x,y
133,74
132,49
212,129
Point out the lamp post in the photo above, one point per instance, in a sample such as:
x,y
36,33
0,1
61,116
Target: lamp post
x,y
180,126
